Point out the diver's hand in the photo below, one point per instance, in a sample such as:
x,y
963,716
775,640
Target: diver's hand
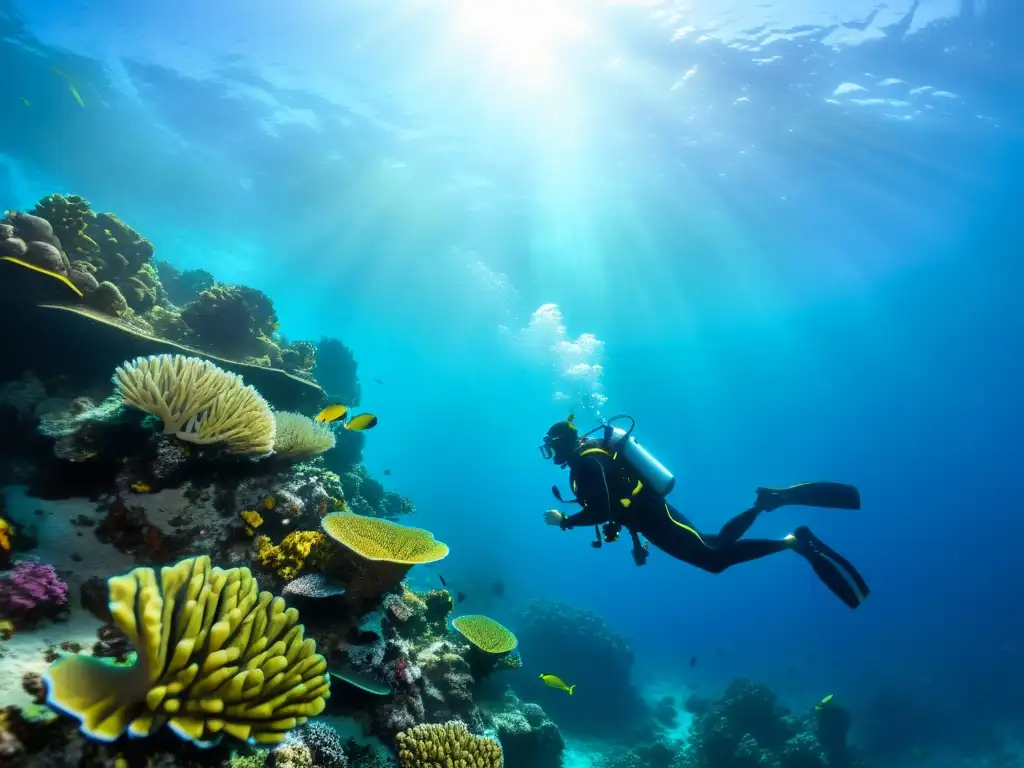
x,y
553,517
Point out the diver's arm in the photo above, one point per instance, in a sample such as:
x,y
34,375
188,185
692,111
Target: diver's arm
x,y
592,492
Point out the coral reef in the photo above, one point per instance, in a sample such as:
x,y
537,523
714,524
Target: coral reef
x,y
298,550
33,591
182,286
747,728
235,321
367,496
189,628
529,738
611,705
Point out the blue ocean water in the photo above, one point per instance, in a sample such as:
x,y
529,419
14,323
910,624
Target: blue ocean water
x,y
785,237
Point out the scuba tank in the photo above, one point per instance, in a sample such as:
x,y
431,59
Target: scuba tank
x,y
621,441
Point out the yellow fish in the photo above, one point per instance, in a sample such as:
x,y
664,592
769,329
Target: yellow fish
x,y
552,681
824,702
332,413
26,102
361,422
74,92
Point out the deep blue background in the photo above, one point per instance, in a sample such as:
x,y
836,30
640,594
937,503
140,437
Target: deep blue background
x,y
791,280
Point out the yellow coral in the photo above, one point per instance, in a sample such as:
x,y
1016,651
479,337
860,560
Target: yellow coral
x,y
300,437
251,517
485,633
214,656
297,550
141,487
198,402
269,503
445,746
375,539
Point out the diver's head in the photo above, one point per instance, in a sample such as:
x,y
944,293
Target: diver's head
x,y
561,442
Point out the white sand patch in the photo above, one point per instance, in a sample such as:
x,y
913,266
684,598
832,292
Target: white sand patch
x,y
580,754
76,558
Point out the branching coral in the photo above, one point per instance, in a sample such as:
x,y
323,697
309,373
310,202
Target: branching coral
x,y
214,656
298,550
445,746
299,437
198,402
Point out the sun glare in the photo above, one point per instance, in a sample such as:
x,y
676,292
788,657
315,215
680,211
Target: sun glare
x,y
524,37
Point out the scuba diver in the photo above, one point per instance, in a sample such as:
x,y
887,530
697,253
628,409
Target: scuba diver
x,y
619,484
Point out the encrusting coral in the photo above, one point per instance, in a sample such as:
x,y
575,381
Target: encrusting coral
x,y
296,551
445,746
199,402
215,656
299,437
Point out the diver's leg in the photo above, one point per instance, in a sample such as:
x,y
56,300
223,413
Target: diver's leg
x,y
835,571
736,527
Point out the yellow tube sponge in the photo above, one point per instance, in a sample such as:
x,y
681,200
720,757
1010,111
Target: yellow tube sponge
x,y
486,634
199,402
299,437
215,656
446,745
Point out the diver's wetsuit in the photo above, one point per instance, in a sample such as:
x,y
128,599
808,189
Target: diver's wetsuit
x,y
609,493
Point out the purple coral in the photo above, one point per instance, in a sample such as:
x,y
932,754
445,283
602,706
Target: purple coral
x,y
32,591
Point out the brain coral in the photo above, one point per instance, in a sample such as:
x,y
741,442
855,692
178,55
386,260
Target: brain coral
x,y
446,745
485,633
299,437
198,402
215,656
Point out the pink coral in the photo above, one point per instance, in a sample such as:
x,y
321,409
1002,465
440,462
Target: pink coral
x,y
32,591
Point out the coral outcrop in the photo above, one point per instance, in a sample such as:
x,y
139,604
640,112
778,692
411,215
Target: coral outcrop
x,y
33,591
747,728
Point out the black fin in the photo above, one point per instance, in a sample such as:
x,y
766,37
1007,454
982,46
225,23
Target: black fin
x,y
460,597
823,494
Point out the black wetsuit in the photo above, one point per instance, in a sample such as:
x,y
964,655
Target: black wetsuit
x,y
609,492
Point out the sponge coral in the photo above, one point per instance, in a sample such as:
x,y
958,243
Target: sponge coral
x,y
446,745
214,656
376,553
299,437
198,402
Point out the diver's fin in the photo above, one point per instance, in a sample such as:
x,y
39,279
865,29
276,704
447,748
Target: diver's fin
x,y
835,571
831,495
